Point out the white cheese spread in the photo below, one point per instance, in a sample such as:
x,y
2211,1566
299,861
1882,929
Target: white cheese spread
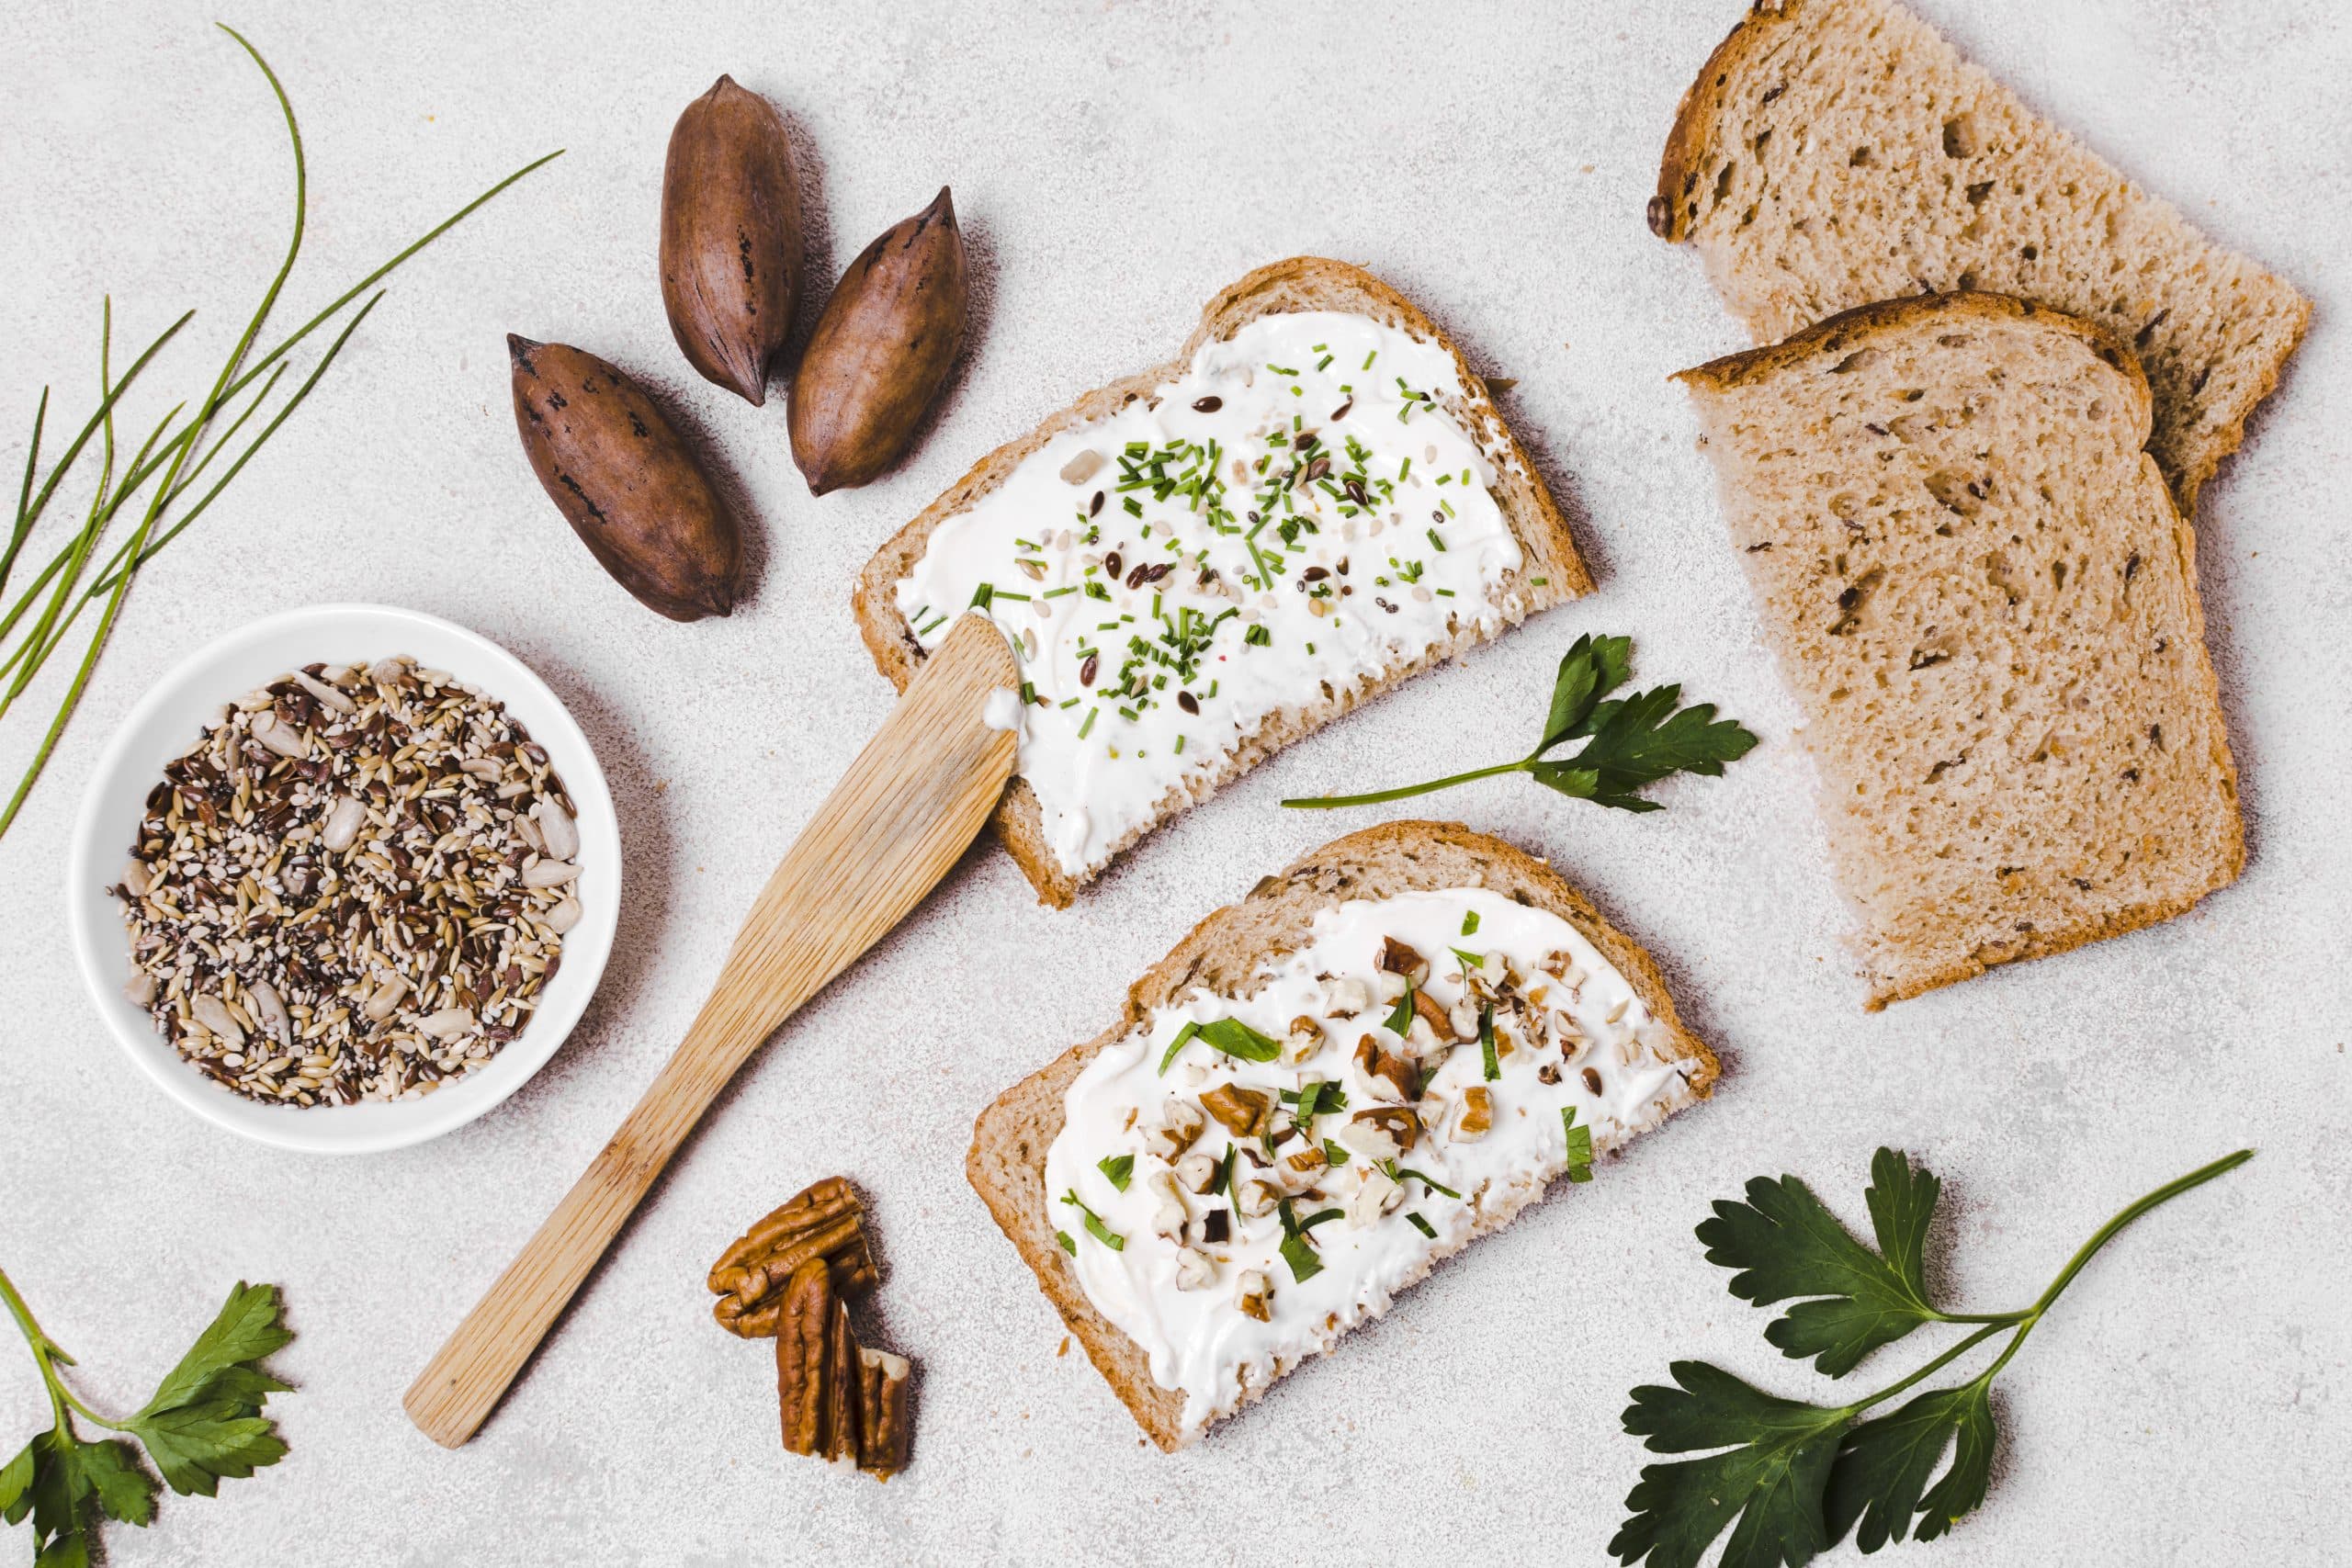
x,y
1415,1139
1297,513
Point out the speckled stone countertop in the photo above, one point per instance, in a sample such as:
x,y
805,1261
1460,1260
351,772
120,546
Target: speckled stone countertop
x,y
1115,164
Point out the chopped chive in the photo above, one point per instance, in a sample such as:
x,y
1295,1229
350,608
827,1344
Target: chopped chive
x,y
1414,1215
1470,923
1184,1038
1489,1062
1118,1168
1088,727
981,596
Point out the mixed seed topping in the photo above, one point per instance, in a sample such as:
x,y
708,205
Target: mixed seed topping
x,y
355,886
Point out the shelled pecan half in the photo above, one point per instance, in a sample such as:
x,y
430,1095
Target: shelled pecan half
x,y
825,1222
836,1400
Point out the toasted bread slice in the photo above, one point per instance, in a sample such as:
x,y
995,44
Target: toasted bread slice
x,y
1550,572
1977,583
1833,152
1223,952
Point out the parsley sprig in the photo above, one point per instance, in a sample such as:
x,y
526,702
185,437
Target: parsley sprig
x,y
1629,742
204,1423
1791,1479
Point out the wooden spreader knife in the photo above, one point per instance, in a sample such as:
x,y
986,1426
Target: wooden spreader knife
x,y
906,810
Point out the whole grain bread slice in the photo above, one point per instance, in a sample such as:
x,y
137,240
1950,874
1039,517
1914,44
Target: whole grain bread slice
x,y
1007,1164
1551,572
1833,152
1976,582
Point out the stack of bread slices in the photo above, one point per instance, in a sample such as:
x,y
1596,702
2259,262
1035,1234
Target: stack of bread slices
x,y
1996,375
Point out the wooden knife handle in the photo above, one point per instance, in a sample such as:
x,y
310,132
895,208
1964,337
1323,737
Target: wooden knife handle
x,y
908,808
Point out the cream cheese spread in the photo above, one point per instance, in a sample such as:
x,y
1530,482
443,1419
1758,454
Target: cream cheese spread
x,y
1229,1235
1297,514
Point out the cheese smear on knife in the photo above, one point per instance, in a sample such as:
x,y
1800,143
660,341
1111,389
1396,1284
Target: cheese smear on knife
x,y
1298,510
1229,1224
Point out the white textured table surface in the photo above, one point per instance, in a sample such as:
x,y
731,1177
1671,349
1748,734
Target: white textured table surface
x,y
1115,164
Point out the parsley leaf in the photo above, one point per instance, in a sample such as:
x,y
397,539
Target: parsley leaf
x,y
205,1422
1118,1168
1785,1242
1580,1144
1771,1482
1629,743
1884,1465
1297,1251
1790,1479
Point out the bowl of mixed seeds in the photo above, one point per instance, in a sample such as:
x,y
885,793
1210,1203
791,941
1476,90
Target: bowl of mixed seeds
x,y
345,879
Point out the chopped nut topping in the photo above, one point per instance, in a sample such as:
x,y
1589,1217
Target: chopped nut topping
x,y
1478,1114
1169,1214
1305,1039
1395,958
1257,1199
1374,1197
1181,1123
1194,1269
1383,1133
1391,1074
1308,1162
1242,1112
1256,1295
1346,998
1197,1172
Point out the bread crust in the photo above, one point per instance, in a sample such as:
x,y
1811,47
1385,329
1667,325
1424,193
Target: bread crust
x,y
1850,329
1007,1162
1300,283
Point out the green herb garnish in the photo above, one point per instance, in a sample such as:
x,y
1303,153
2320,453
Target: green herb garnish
x,y
176,449
205,1423
1467,959
1470,923
1068,1245
1629,742
1335,1154
1184,1037
1236,1038
1119,1169
1297,1251
1094,1226
1796,1476
1490,1063
1400,1018
1224,1180
1421,1224
1579,1145
1401,1172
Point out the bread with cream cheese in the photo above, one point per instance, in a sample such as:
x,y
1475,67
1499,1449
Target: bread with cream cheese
x,y
1979,589
1223,953
1550,572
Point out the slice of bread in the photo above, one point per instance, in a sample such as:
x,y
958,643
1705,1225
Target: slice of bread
x,y
1550,572
1007,1164
1833,152
1976,580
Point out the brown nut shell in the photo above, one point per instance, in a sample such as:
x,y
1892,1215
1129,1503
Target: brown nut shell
x,y
881,350
731,248
621,475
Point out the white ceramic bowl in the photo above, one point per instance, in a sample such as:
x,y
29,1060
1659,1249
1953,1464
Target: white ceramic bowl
x,y
169,719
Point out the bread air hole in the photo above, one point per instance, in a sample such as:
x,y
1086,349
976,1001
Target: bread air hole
x,y
1959,136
